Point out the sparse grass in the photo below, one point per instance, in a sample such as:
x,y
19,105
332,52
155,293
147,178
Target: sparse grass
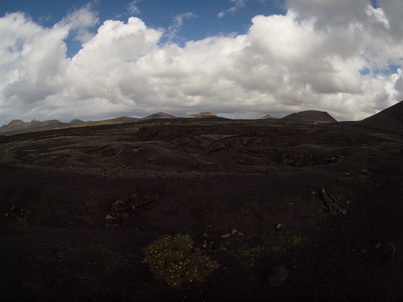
x,y
174,260
297,240
362,178
17,218
252,254
271,170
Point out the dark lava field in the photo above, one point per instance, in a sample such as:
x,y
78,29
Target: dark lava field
x,y
288,210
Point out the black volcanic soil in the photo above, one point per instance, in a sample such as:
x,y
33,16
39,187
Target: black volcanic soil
x,y
268,180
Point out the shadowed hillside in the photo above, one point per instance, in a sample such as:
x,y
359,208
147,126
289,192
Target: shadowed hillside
x,y
390,119
158,115
310,116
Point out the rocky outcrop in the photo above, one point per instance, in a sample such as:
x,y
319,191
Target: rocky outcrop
x,y
278,276
389,251
122,209
331,204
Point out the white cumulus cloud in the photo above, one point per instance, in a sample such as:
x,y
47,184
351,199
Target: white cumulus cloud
x,y
343,57
80,21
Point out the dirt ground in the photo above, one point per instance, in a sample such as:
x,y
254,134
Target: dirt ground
x,y
324,201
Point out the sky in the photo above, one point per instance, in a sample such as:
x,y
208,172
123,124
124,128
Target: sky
x,y
101,59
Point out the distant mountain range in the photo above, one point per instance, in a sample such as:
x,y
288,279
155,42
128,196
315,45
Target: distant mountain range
x,y
21,126
390,119
34,125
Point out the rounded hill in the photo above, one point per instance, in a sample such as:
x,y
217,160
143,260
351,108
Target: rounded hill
x,y
310,116
390,119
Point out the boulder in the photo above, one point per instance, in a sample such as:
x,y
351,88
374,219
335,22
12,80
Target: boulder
x,y
122,209
389,251
120,206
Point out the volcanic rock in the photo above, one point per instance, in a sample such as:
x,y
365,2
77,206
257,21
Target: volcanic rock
x,y
120,206
278,276
389,251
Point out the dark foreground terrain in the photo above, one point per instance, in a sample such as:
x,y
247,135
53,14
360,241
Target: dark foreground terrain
x,y
323,202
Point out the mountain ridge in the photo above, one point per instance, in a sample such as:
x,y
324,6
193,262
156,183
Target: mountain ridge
x,y
389,119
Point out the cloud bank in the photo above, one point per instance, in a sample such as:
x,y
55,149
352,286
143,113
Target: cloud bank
x,y
341,56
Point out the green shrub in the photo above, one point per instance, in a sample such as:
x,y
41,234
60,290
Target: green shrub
x,y
174,260
297,240
271,170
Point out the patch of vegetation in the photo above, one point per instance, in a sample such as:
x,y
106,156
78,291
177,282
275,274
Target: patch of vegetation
x,y
247,253
17,217
362,178
271,170
174,260
297,240
250,255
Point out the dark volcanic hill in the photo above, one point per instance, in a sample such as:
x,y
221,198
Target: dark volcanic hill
x,y
76,122
310,116
121,120
118,120
49,124
390,119
158,115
